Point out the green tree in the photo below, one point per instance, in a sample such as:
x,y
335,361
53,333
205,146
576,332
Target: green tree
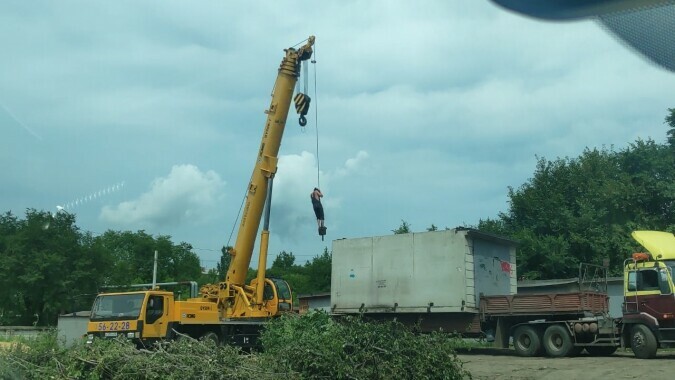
x,y
583,209
432,228
404,228
670,121
318,271
284,262
224,264
48,266
132,255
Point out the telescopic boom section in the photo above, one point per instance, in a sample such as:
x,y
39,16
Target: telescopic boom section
x,y
266,162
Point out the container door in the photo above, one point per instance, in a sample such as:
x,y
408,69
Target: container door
x,y
492,268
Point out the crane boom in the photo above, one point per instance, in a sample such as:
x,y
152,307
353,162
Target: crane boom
x,y
266,161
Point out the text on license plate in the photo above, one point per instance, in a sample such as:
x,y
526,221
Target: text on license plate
x,y
113,326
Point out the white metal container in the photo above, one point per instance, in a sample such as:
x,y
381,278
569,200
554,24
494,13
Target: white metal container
x,y
439,271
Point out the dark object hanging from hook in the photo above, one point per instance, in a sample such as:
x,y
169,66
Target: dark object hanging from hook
x,y
322,232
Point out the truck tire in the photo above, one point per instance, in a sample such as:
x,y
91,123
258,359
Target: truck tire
x,y
601,350
210,336
558,342
643,342
526,341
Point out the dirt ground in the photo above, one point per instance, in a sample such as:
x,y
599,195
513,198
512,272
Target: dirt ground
x,y
503,365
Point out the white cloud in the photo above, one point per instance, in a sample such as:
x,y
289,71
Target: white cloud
x,y
353,164
185,195
296,178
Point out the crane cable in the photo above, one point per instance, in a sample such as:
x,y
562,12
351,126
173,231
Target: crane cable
x,y
305,81
316,122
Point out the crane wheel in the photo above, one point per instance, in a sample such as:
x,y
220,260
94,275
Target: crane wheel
x,y
210,336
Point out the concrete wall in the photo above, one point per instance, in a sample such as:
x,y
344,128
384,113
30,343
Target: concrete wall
x,y
10,332
72,327
308,302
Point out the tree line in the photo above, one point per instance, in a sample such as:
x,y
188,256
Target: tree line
x,y
49,266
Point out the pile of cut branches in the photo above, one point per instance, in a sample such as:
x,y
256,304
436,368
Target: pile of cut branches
x,y
318,346
314,346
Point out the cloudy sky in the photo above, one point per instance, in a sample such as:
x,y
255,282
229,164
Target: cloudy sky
x,y
148,115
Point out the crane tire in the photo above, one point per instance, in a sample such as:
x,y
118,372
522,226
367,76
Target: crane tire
x,y
210,336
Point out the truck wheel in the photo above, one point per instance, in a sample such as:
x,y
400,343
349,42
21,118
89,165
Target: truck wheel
x,y
643,342
557,341
526,341
601,350
210,336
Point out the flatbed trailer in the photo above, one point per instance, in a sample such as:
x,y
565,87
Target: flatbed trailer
x,y
549,304
560,324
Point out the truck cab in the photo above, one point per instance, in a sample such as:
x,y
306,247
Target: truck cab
x,y
649,300
144,316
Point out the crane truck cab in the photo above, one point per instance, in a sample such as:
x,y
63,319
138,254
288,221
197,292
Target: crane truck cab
x,y
143,315
153,315
649,301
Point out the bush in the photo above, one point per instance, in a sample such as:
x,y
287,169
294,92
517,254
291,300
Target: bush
x,y
317,346
308,347
120,359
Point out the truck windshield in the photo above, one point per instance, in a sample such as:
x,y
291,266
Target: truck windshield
x,y
117,306
671,266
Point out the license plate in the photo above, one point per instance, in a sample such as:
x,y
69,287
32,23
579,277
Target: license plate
x,y
113,326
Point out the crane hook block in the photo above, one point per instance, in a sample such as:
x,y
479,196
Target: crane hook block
x,y
302,106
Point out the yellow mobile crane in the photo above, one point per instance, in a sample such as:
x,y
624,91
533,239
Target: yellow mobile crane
x,y
230,311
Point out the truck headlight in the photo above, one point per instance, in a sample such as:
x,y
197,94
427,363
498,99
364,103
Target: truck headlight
x,y
130,335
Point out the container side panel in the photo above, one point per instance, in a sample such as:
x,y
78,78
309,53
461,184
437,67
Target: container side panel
x,y
493,269
439,270
351,274
393,268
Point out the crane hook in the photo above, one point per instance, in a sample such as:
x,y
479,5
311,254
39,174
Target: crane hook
x,y
302,106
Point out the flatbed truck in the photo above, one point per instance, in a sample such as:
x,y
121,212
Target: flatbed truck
x,y
453,282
